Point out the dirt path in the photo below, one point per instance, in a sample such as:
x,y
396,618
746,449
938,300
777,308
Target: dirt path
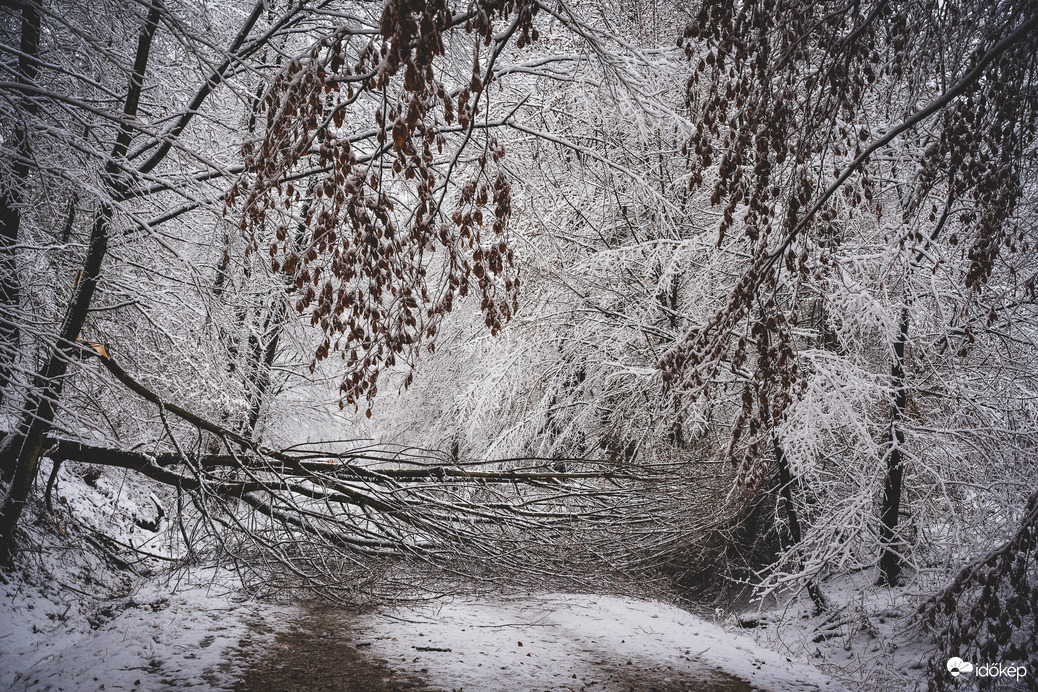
x,y
331,650
323,651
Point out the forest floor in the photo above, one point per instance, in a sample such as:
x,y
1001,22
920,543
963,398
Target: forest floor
x,y
85,609
558,642
320,651
207,637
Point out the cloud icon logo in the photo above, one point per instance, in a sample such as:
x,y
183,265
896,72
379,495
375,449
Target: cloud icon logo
x,y
956,665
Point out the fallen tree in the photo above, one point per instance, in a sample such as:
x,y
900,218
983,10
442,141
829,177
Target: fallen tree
x,y
317,509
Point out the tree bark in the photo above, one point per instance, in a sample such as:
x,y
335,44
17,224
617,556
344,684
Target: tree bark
x,y
795,533
20,455
264,352
890,557
264,365
10,207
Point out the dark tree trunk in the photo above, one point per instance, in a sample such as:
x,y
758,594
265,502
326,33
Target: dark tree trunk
x,y
21,451
265,346
10,207
264,364
795,533
890,558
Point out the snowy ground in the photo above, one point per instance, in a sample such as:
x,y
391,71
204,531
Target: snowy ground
x,y
549,642
83,611
71,618
867,637
577,642
152,640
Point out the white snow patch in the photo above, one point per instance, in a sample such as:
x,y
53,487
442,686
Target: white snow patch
x,y
152,640
69,620
575,642
867,638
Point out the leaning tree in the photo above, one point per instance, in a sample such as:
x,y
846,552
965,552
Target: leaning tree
x,y
209,176
920,119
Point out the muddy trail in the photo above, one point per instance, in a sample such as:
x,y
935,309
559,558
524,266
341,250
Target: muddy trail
x,y
327,649
323,651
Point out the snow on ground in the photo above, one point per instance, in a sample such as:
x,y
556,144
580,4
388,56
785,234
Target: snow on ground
x,y
72,619
81,612
151,640
577,642
866,638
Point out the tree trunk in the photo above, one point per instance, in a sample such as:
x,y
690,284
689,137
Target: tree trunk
x,y
890,558
10,208
795,533
20,455
22,450
265,345
264,364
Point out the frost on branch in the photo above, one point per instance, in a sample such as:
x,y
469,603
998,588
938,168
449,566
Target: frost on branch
x,y
383,230
791,102
988,612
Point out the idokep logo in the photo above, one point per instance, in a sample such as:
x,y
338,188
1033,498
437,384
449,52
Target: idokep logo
x,y
956,666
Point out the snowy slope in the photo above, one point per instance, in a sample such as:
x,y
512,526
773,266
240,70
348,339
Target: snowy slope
x,y
157,640
81,612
